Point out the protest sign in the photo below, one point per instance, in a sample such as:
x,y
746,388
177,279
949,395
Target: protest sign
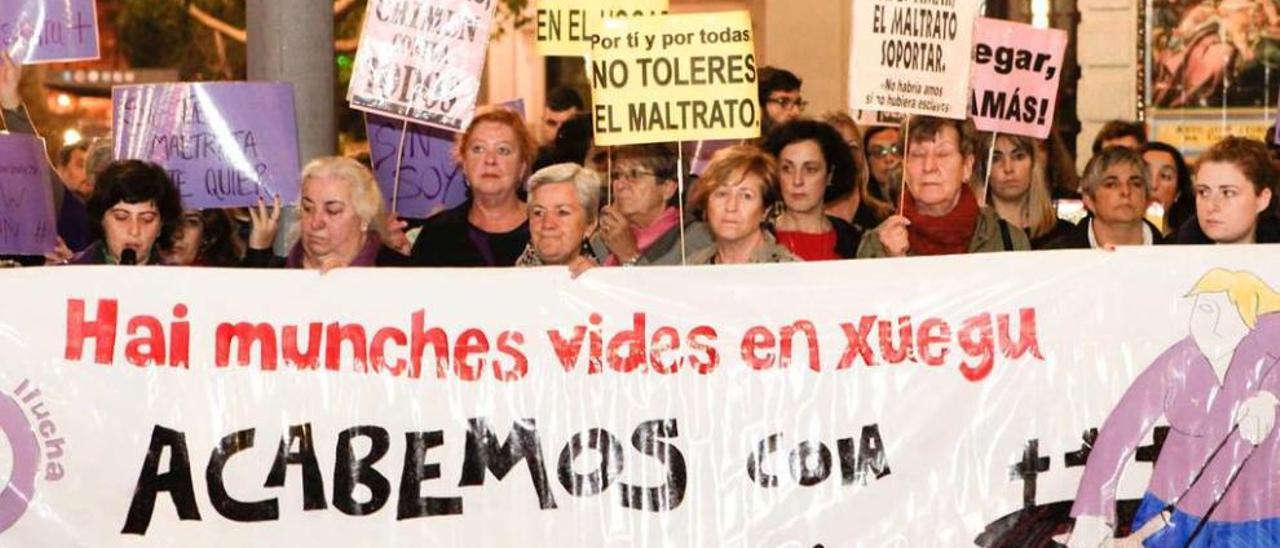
x,y
422,60
912,56
224,144
429,178
144,410
565,26
27,222
1016,70
46,31
674,78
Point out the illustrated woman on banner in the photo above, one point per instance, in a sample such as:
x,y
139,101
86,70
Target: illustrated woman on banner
x,y
1215,481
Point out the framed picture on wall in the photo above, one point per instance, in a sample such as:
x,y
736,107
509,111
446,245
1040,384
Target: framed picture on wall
x,y
1211,69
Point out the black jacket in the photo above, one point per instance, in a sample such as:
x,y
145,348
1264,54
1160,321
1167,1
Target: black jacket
x,y
1267,232
1077,237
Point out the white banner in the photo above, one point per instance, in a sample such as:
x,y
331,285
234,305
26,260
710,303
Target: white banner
x,y
914,402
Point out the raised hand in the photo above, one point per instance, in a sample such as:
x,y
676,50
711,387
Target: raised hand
x,y
264,224
10,75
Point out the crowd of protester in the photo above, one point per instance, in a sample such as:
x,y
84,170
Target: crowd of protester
x,y
810,189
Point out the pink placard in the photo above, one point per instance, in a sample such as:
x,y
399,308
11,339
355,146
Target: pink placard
x,y
1016,70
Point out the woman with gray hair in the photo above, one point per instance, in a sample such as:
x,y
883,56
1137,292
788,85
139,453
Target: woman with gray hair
x,y
1116,189
340,219
563,201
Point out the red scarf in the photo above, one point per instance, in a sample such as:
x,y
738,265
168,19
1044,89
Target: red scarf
x,y
946,235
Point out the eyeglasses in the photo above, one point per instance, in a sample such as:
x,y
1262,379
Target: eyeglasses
x,y
787,103
891,150
633,174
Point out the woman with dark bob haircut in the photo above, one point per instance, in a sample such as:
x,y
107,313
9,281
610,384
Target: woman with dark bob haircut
x,y
815,167
133,213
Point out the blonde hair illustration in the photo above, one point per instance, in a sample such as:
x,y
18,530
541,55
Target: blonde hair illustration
x,y
1251,296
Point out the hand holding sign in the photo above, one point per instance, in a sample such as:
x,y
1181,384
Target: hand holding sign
x,y
10,75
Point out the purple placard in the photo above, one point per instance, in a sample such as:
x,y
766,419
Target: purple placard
x,y
224,143
46,31
430,180
698,153
27,224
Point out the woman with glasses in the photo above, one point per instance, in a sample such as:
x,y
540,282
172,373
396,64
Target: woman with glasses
x,y
884,155
492,227
641,226
814,166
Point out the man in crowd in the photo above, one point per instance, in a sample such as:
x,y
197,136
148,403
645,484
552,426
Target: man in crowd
x,y
780,99
562,104
1122,133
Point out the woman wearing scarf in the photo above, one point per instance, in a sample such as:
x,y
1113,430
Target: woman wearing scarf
x,y
641,226
940,214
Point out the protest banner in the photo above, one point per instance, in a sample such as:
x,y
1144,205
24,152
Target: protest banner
x,y
671,78
912,56
28,225
565,26
47,31
223,143
422,60
713,406
428,180
1016,70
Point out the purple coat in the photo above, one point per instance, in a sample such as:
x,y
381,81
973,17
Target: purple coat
x,y
1182,387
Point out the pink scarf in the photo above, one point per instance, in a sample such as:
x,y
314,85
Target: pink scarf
x,y
646,236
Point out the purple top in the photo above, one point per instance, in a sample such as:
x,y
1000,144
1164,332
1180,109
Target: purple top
x,y
1182,387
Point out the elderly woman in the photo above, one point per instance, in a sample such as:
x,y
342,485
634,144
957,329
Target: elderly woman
x,y
563,201
492,227
1170,185
1234,187
940,215
340,214
1217,388
814,167
133,213
1115,190
735,193
1018,188
642,225
206,238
